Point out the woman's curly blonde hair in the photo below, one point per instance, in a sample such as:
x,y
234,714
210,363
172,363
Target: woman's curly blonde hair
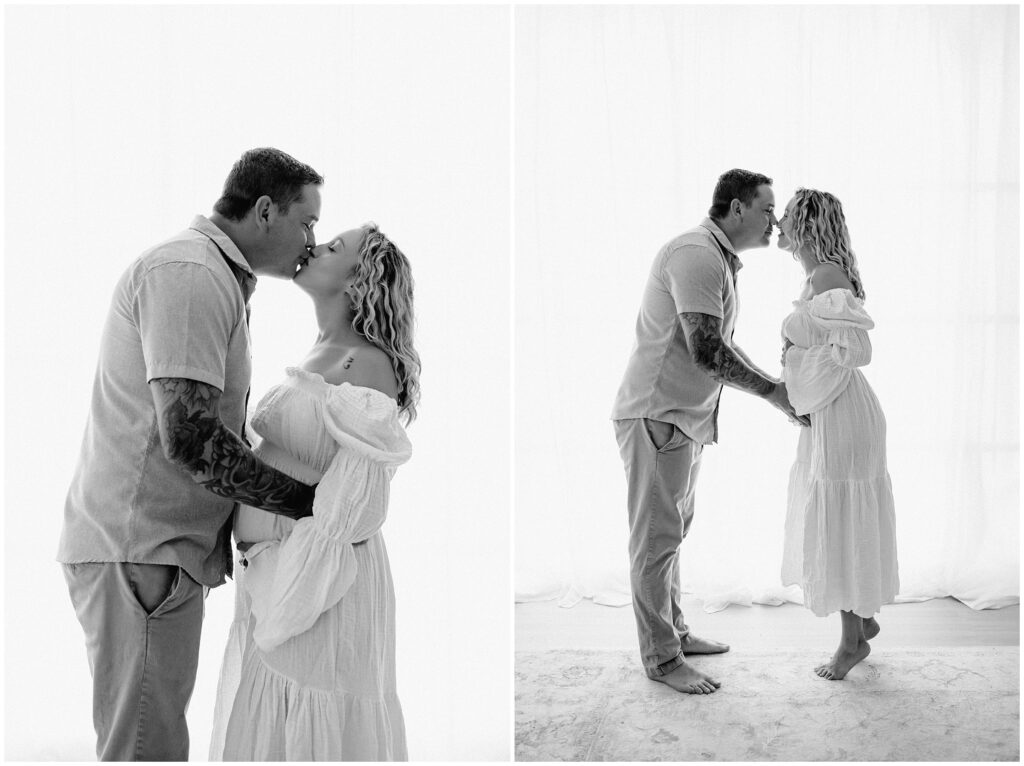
x,y
381,295
820,226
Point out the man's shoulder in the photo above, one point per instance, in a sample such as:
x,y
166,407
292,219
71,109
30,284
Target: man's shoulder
x,y
695,247
163,265
187,248
697,237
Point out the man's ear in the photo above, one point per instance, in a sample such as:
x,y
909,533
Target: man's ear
x,y
736,207
265,210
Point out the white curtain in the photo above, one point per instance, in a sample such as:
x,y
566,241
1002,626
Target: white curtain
x,y
909,114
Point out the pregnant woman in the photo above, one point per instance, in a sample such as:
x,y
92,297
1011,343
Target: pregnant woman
x,y
840,542
309,671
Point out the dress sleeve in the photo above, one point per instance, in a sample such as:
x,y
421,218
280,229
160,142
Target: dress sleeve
x,y
815,376
292,583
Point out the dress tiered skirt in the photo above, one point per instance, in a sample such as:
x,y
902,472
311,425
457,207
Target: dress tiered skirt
x,y
840,541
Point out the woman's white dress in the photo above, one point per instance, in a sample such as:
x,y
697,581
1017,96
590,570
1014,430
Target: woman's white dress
x,y
309,670
840,541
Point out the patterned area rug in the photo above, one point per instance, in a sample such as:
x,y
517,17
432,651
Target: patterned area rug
x,y
955,704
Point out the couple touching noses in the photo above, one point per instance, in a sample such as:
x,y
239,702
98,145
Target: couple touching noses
x,y
840,544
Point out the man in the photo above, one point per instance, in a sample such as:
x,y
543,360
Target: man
x,y
666,409
164,462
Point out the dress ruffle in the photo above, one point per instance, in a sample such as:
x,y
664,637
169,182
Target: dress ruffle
x,y
816,373
293,581
309,669
317,725
840,540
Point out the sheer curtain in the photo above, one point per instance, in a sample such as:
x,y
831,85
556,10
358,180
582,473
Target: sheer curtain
x,y
909,114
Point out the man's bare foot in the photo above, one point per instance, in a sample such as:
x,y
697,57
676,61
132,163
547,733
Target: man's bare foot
x,y
692,644
871,628
688,680
842,661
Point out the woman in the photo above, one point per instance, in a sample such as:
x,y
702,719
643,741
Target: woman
x,y
309,671
840,542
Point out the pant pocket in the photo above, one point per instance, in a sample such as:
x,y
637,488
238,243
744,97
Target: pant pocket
x,y
661,434
154,585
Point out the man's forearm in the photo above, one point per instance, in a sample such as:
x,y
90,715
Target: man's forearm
x,y
216,458
227,467
713,355
747,360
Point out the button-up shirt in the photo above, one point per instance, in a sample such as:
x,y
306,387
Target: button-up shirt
x,y
695,272
178,311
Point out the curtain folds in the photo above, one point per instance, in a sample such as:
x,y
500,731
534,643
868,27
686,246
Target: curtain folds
x,y
909,114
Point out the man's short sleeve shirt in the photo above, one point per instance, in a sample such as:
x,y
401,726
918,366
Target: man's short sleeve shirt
x,y
178,311
695,272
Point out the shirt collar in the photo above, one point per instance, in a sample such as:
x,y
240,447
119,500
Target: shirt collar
x,y
710,225
204,225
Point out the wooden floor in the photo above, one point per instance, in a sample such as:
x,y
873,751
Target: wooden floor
x,y
939,622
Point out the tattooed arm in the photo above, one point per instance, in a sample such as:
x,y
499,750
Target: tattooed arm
x,y
713,355
195,439
746,360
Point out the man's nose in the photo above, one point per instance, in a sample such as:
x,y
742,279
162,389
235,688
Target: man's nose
x,y
773,220
310,239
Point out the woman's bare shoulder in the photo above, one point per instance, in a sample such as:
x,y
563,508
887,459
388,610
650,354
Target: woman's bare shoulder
x,y
366,366
828,276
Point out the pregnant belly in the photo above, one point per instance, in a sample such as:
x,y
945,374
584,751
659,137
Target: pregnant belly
x,y
253,525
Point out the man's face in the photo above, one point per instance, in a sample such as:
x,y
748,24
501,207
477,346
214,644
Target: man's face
x,y
758,220
289,234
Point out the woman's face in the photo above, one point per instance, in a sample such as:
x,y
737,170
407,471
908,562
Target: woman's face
x,y
785,241
332,265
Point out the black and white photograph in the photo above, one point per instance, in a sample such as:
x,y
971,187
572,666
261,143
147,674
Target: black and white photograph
x,y
766,383
511,382
258,384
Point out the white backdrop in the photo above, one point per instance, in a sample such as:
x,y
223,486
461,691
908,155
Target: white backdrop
x,y
909,114
122,123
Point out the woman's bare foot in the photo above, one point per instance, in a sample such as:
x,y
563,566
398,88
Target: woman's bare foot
x,y
871,628
843,661
692,644
688,680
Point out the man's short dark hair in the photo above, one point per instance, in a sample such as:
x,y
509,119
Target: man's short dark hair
x,y
264,171
735,184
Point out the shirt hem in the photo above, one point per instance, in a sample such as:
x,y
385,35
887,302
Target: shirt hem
x,y
116,559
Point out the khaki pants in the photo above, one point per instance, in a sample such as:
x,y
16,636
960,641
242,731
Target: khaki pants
x,y
142,624
661,465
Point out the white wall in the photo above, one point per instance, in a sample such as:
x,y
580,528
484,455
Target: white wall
x,y
122,123
910,115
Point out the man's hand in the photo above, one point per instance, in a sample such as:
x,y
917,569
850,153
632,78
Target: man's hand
x,y
779,398
723,364
785,347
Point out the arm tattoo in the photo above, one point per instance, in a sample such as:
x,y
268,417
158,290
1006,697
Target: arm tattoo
x,y
749,362
713,355
195,439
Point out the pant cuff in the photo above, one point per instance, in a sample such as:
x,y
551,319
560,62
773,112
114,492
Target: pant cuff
x,y
666,667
